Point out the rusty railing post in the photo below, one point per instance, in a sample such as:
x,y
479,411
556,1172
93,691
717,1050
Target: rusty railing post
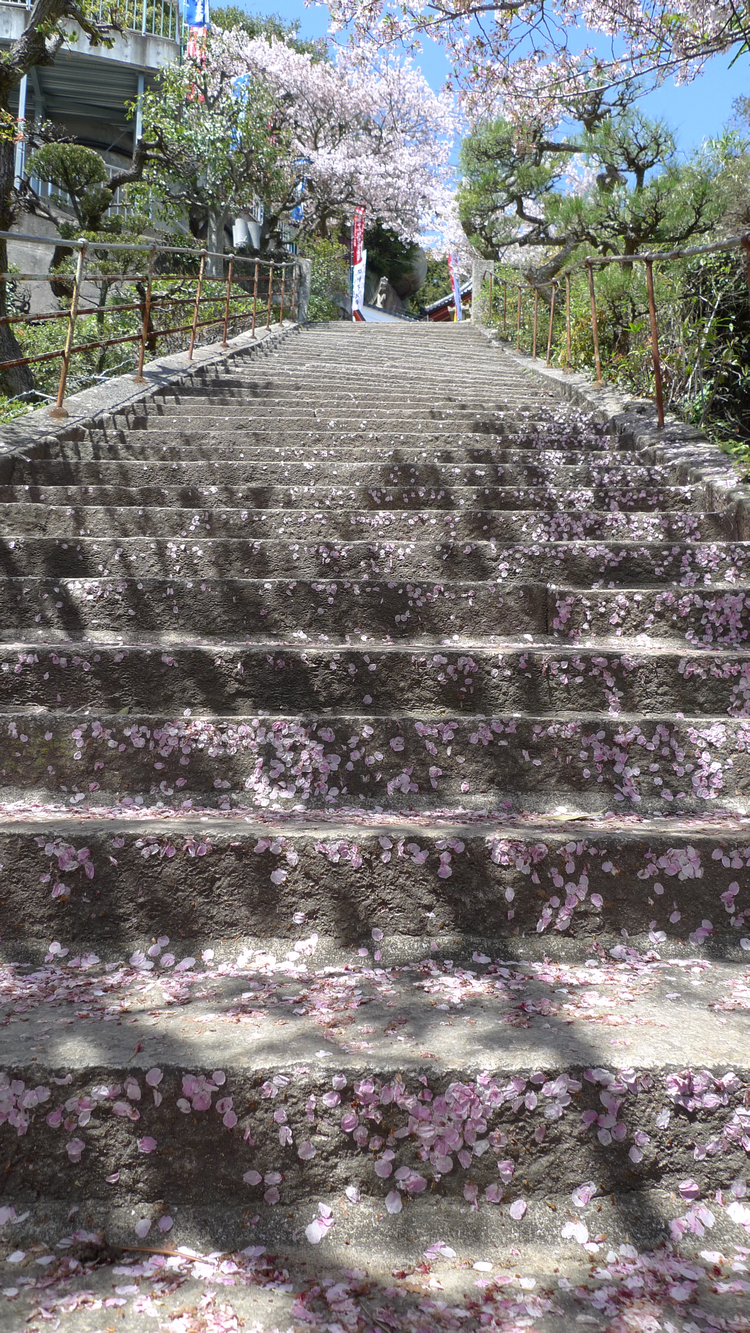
x,y
255,298
283,283
138,377
196,307
505,308
58,411
536,320
551,322
224,343
655,343
594,323
518,321
270,294
567,322
746,245
492,290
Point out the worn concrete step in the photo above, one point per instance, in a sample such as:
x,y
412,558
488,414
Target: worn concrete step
x,y
136,449
509,434
536,1270
588,564
705,618
329,394
327,609
110,878
108,675
300,417
413,1094
424,761
80,520
352,496
375,473
388,611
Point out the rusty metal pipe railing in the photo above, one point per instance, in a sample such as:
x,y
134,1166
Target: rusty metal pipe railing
x,y
536,321
138,377
224,343
198,291
654,343
567,322
154,302
551,322
270,293
594,322
58,411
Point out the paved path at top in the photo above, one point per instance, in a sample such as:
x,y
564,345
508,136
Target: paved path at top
x,y
374,782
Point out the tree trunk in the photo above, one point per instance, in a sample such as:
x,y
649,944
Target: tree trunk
x,y
215,241
14,380
541,275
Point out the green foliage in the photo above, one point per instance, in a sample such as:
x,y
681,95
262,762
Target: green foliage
x,y
173,301
436,285
387,253
630,191
704,336
330,276
212,152
77,171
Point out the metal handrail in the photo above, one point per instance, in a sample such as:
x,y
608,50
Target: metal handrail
x,y
151,18
271,288
590,264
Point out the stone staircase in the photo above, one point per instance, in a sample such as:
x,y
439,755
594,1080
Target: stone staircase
x,y
368,691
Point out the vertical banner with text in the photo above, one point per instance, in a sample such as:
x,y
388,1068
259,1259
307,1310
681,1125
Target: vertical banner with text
x,y
455,284
198,22
359,263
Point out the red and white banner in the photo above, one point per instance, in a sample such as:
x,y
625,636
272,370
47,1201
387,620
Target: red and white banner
x,y
358,235
359,263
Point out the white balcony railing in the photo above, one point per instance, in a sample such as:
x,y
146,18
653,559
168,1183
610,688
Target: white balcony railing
x,y
154,18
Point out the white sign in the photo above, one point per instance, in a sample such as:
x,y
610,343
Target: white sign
x,y
358,283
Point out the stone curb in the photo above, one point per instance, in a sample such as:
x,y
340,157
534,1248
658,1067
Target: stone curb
x,y
697,460
35,435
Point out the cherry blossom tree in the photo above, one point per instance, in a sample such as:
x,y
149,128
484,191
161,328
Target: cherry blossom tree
x,y
211,144
524,54
360,130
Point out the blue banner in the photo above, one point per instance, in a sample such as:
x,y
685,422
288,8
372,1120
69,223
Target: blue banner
x,y
197,14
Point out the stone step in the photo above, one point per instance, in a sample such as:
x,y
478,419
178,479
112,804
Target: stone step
x,y
508,433
352,496
537,1269
134,473
425,761
588,564
400,1088
130,873
80,520
136,449
247,607
106,676
282,607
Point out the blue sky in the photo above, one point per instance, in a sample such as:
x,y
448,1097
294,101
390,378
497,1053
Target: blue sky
x,y
695,111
